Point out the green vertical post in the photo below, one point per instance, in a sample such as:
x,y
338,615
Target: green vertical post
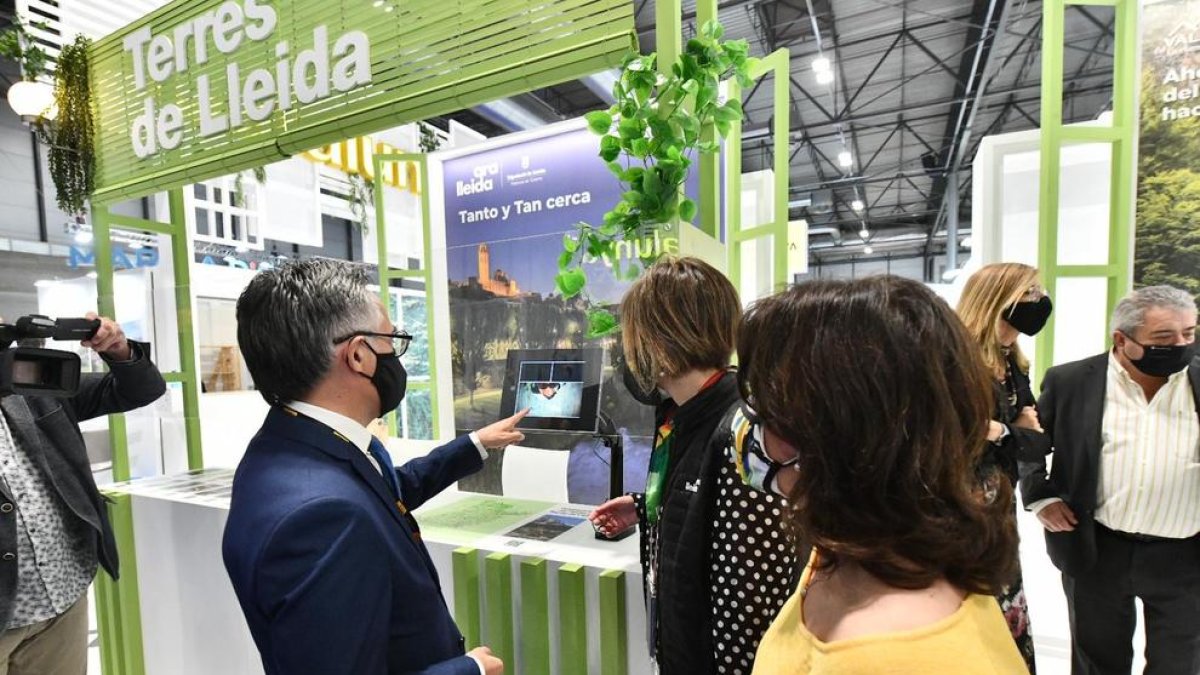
x,y
668,32
121,627
572,620
1117,269
1126,124
535,618
498,587
709,199
733,180
182,259
465,562
614,649
106,305
1051,123
780,60
425,273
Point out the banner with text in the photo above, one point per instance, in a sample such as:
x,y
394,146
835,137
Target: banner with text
x,y
1167,249
507,209
201,88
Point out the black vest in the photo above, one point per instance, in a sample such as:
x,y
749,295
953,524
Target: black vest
x,y
685,529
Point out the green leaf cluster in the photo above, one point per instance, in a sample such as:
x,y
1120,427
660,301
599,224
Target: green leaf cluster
x,y
17,44
649,139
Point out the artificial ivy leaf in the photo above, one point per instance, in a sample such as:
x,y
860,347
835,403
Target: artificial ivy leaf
x,y
687,210
632,174
564,260
640,148
616,169
632,197
571,282
610,148
570,244
704,97
631,129
712,29
651,182
599,122
730,112
695,46
723,127
601,323
709,147
752,65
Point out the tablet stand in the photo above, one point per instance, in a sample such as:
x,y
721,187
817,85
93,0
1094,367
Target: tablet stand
x,y
608,434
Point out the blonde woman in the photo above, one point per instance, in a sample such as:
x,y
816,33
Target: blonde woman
x,y
1000,302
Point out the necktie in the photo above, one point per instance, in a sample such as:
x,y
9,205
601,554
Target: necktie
x,y
384,460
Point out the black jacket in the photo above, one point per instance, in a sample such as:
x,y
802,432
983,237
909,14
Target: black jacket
x,y
49,428
1020,445
1071,410
685,529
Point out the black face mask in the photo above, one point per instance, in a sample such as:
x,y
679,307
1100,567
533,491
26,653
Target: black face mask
x,y
652,398
1163,361
390,380
1029,317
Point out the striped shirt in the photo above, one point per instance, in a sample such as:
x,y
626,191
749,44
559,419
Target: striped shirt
x,y
1150,457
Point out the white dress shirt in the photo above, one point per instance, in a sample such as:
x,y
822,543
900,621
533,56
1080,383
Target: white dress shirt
x,y
1150,458
360,437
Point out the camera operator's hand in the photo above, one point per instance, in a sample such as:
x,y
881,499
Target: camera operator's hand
x,y
109,340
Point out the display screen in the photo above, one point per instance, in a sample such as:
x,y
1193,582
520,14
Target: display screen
x,y
551,388
559,387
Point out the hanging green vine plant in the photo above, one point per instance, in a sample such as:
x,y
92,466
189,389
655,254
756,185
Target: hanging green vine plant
x,y
649,139
360,200
72,141
17,44
429,140
239,184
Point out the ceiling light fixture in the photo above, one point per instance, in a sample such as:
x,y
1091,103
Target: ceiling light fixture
x,y
821,64
845,159
867,250
857,205
825,77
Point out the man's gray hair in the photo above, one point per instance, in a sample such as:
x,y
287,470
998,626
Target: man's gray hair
x,y
1130,313
289,317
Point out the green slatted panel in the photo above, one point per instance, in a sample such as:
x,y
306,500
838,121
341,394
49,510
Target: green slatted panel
x,y
118,611
572,620
427,57
535,618
498,587
614,649
466,595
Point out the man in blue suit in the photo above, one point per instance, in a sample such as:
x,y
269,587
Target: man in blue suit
x,y
322,549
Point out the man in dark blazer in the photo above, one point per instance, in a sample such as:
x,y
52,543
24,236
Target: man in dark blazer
x,y
1121,505
321,545
54,527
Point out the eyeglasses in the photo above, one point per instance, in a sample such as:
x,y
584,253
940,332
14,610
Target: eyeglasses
x,y
400,339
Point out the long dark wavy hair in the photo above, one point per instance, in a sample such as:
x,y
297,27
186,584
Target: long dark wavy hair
x,y
887,399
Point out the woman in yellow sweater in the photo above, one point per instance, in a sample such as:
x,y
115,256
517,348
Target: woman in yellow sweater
x,y
868,408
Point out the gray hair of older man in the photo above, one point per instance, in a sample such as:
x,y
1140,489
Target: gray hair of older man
x,y
1130,313
289,317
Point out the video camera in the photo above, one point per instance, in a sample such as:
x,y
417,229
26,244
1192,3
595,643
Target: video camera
x,y
34,371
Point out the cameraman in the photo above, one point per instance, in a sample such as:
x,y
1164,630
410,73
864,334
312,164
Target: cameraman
x,y
54,527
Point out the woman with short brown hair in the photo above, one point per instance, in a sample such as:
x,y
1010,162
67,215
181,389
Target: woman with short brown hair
x,y
716,560
874,399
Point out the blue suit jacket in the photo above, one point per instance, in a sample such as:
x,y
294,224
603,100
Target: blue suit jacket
x,y
331,575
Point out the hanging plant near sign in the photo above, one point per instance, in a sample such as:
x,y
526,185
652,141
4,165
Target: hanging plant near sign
x,y
360,199
72,136
656,126
239,192
429,141
17,44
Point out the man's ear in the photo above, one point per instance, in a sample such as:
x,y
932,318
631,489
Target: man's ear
x,y
355,356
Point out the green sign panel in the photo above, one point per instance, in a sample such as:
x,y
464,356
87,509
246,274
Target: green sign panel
x,y
202,88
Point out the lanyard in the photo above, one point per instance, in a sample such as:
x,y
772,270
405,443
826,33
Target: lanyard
x,y
660,457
